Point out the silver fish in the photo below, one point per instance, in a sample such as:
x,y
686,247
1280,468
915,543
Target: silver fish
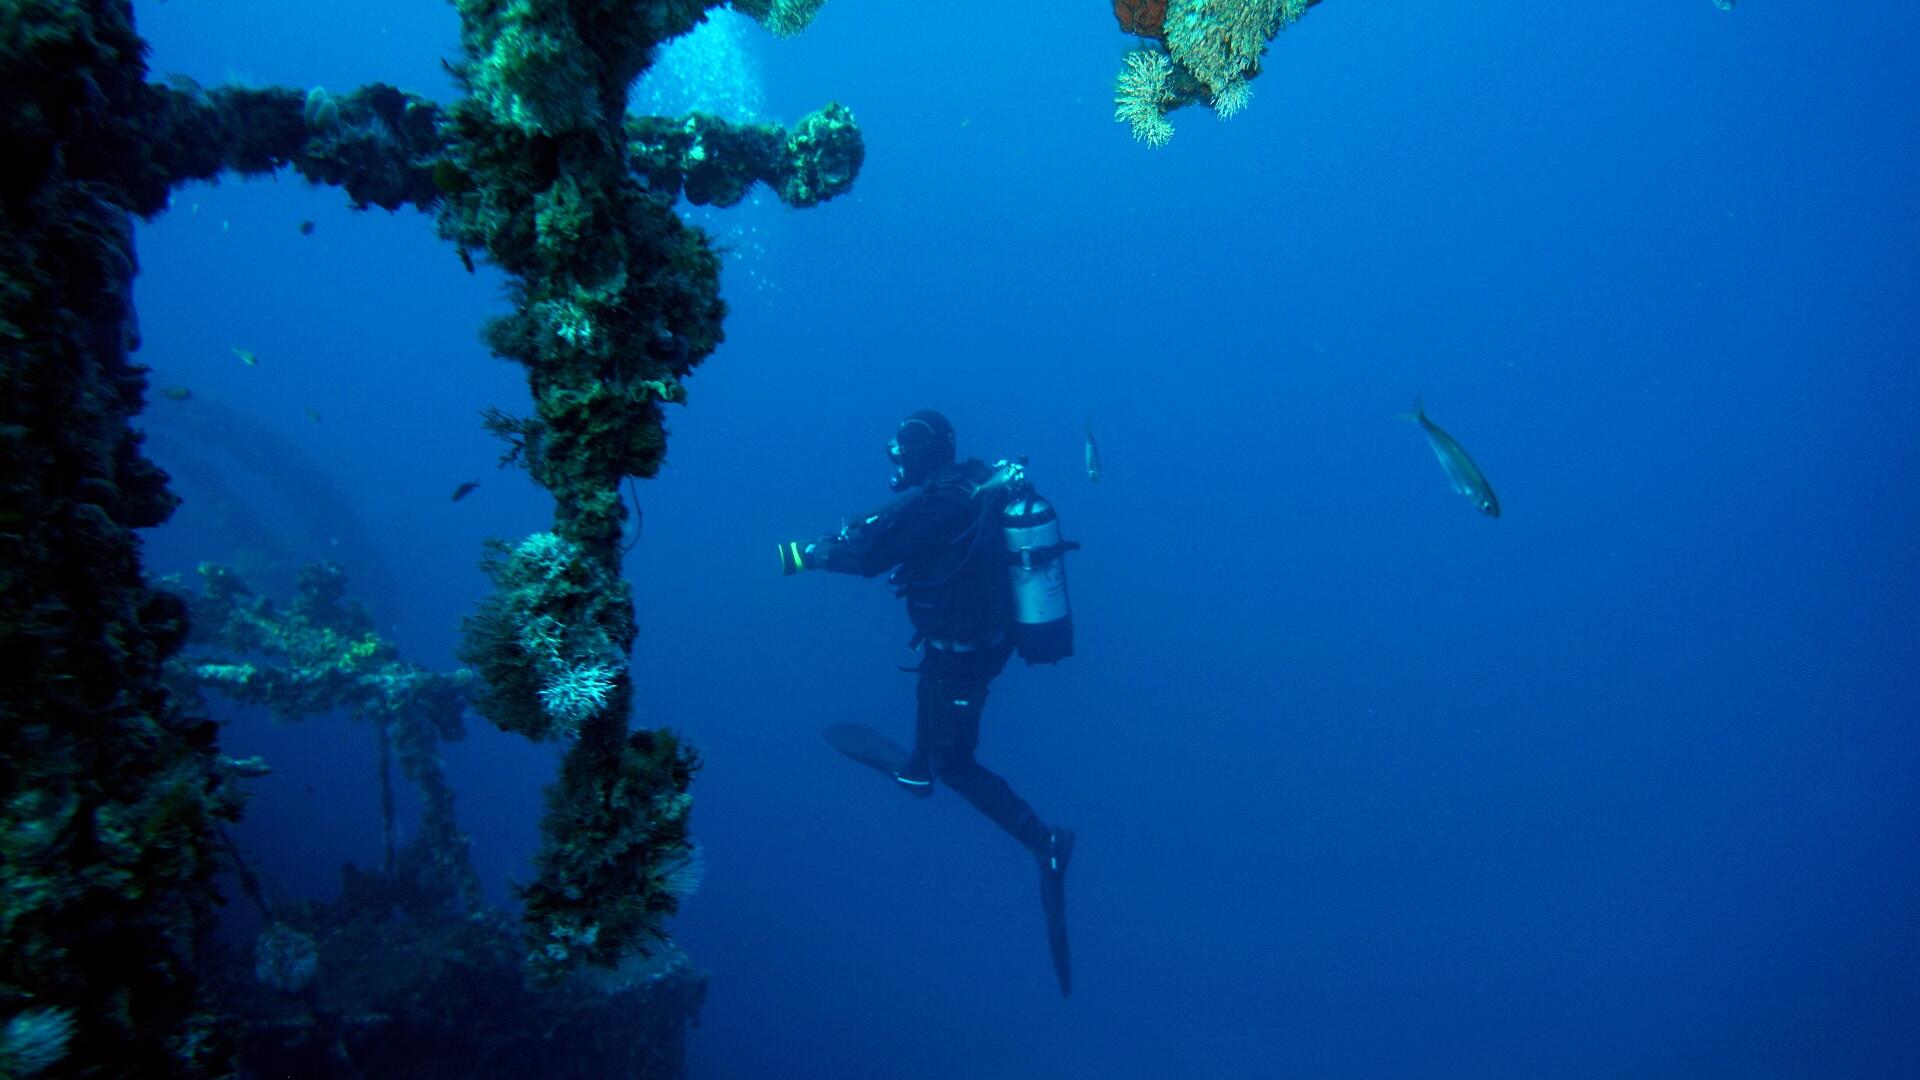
x,y
1462,473
1093,454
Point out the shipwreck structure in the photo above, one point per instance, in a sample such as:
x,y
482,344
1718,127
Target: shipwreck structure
x,y
112,801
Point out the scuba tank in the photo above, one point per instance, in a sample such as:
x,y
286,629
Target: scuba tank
x,y
1036,572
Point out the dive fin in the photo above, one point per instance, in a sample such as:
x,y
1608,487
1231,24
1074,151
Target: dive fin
x,y
868,747
1057,941
1053,900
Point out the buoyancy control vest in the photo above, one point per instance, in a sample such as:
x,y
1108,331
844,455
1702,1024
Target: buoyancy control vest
x,y
1006,572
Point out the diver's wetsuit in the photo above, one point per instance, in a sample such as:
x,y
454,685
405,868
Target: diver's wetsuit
x,y
945,556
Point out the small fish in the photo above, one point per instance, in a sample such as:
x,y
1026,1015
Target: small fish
x,y
465,490
247,357
306,228
313,415
1093,454
175,393
1462,473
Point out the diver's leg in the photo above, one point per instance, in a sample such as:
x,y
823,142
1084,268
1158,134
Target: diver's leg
x,y
917,775
950,711
958,727
952,697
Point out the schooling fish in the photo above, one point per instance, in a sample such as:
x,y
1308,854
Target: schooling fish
x,y
1462,473
1093,454
465,490
175,393
247,357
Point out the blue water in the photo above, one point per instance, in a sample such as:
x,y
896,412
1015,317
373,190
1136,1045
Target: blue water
x,y
1621,784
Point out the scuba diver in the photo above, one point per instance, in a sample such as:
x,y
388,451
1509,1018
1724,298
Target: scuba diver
x,y
977,555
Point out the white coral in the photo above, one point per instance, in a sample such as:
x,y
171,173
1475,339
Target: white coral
x,y
1140,92
575,692
542,637
682,876
1232,98
543,556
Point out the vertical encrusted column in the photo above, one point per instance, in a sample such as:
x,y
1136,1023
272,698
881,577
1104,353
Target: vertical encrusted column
x,y
615,302
110,794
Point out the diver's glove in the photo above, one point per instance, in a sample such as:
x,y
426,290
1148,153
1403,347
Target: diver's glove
x,y
793,557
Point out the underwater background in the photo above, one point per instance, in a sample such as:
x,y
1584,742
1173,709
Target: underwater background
x,y
1366,784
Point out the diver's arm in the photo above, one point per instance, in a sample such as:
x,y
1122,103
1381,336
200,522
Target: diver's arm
x,y
881,541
